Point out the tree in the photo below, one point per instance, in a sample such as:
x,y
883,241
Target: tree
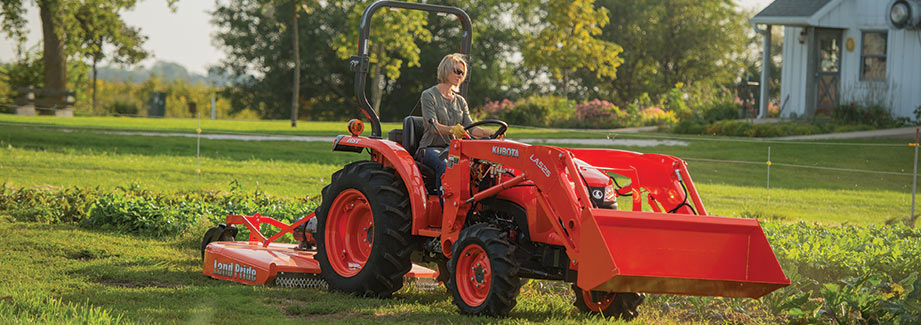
x,y
257,50
392,40
569,42
493,73
670,41
258,44
98,24
59,26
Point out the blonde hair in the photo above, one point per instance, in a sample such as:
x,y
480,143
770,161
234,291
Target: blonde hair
x,y
446,67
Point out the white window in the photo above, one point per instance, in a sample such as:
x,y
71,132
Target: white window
x,y
873,55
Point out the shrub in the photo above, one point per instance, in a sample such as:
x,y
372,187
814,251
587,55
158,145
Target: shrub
x,y
599,114
873,115
136,210
847,118
721,110
690,126
657,116
497,108
120,107
675,101
531,111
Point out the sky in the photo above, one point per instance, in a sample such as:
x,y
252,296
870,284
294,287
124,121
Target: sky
x,y
183,36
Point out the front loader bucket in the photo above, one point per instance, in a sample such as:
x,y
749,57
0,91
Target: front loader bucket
x,y
627,251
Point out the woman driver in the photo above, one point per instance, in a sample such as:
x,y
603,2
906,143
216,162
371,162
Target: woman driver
x,y
445,113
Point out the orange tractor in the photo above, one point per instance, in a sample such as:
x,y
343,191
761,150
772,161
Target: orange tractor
x,y
510,211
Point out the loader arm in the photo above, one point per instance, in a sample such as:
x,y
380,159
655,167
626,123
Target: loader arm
x,y
664,179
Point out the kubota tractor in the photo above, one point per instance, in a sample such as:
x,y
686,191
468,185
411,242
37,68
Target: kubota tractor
x,y
510,211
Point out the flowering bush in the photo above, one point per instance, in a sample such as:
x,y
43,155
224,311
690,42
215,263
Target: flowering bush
x,y
498,108
773,110
598,110
531,111
654,115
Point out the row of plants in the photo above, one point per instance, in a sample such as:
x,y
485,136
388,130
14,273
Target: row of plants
x,y
681,103
133,209
552,111
841,274
687,110
845,118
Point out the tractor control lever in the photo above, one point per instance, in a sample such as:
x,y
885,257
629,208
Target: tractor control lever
x,y
444,153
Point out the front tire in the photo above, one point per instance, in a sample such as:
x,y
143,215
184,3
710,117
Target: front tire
x,y
363,231
484,274
622,305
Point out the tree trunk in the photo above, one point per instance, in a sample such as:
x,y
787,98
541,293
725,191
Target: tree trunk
x,y
297,66
53,56
95,59
377,85
566,83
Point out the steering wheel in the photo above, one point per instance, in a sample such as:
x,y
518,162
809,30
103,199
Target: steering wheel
x,y
502,127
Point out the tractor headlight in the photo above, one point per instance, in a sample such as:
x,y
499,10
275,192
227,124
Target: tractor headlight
x,y
604,197
609,193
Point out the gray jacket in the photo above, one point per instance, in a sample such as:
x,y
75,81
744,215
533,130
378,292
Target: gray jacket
x,y
445,111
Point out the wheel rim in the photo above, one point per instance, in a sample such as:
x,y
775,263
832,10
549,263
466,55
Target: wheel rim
x,y
598,301
474,275
349,232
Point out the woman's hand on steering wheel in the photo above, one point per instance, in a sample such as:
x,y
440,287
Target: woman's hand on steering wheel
x,y
499,134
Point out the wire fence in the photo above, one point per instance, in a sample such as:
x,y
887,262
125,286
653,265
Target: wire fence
x,y
798,189
767,184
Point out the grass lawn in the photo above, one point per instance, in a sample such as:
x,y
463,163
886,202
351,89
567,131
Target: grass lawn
x,y
67,273
281,127
46,157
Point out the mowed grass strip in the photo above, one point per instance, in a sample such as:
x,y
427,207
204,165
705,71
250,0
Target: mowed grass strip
x,y
278,127
45,157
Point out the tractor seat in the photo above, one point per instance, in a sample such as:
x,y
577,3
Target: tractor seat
x,y
413,128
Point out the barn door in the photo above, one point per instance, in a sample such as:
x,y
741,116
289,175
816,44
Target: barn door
x,y
827,69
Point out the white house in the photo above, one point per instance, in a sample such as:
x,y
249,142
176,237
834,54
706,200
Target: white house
x,y
837,52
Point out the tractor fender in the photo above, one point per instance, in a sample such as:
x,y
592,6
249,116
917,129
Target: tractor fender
x,y
391,154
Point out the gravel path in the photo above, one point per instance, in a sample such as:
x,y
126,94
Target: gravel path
x,y
329,139
906,132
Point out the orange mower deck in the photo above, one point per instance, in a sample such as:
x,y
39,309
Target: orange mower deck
x,y
260,261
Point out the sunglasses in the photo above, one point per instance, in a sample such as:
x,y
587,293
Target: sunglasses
x,y
459,72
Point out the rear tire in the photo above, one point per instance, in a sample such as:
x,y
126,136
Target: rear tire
x,y
622,305
484,274
363,231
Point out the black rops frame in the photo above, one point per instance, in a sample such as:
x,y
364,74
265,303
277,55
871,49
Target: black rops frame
x,y
361,62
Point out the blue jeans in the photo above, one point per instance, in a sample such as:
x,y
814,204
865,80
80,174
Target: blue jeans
x,y
430,158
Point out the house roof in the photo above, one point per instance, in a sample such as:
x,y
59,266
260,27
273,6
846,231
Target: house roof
x,y
792,12
792,8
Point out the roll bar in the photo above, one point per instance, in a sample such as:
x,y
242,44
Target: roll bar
x,y
361,62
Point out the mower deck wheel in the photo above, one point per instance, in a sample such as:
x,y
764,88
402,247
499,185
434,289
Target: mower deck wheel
x,y
217,233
